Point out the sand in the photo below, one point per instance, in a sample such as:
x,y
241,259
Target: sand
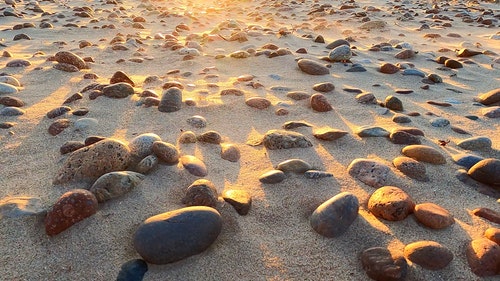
x,y
274,241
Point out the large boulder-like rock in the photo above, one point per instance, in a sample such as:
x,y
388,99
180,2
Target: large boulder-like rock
x,y
178,234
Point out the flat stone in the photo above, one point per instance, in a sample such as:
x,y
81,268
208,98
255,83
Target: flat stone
x,y
488,98
413,72
486,171
7,89
239,199
72,207
428,254
11,80
379,264
142,145
58,126
366,98
433,216
11,101
371,131
411,168
178,234
324,87
298,95
312,67
403,91
258,102
401,119
328,134
475,143
389,68
466,160
194,165
201,192
336,43
390,203
333,217
400,137
370,172
115,184
93,161
424,153
272,177
121,77
491,112
320,103
316,174
487,214
483,257
166,152
71,146
295,124
11,111
85,124
132,270
298,166
119,90
281,139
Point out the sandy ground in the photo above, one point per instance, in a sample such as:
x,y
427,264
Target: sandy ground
x,y
274,241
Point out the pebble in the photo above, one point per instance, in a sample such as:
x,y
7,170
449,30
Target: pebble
x,y
7,89
230,152
239,199
18,63
328,134
84,124
72,207
341,53
379,264
493,234
133,270
312,67
70,58
424,153
400,137
71,146
488,98
401,119
324,87
320,103
74,97
115,184
119,90
187,137
197,121
194,165
232,92
413,72
297,95
356,68
439,122
178,234
147,164
366,98
272,177
390,203
297,166
201,192
466,160
58,126
466,53
14,207
11,111
453,64
486,171
428,254
405,54
295,124
212,137
142,145
483,257
411,168
438,103
121,77
371,131
487,214
370,172
393,103
171,100
93,161
58,111
7,79
475,143
334,217
316,174
258,102
336,43
433,216
281,139
404,91
491,112
389,68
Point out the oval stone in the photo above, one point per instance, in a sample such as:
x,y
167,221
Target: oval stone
x,y
493,234
424,153
475,143
341,53
118,90
194,165
132,270
428,254
390,203
466,160
411,168
371,131
178,234
380,265
142,145
333,217
202,192
70,58
72,207
147,164
486,171
210,137
166,152
258,102
320,103
230,152
282,139
298,166
483,256
312,67
370,172
329,134
433,216
272,177
115,184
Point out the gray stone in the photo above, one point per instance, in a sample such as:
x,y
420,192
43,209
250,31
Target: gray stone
x,y
132,270
411,168
197,121
316,174
370,172
201,192
142,145
115,184
171,100
147,164
11,111
178,234
194,165
333,217
371,131
439,122
85,124
7,89
341,53
281,139
272,177
401,119
380,265
475,143
466,160
298,166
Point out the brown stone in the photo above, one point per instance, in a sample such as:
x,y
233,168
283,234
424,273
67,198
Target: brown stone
x,y
390,203
202,192
488,214
389,68
411,168
433,216
121,76
166,152
258,102
424,153
493,234
58,126
313,68
380,265
230,152
320,103
428,254
483,256
70,58
239,199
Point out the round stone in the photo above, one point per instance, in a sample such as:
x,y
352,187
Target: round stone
x,y
424,153
483,256
230,152
390,203
333,217
210,137
487,171
428,254
389,68
142,145
439,122
298,166
370,172
147,164
132,270
341,53
411,168
178,234
433,216
187,137
171,100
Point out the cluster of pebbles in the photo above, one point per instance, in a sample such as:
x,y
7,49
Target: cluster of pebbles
x,y
110,168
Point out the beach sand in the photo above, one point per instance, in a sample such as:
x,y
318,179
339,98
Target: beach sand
x,y
275,240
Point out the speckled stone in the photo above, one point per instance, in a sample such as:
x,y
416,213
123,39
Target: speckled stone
x,y
333,217
282,139
239,199
258,102
411,168
370,172
197,121
341,53
320,103
439,122
201,192
70,58
390,203
212,137
142,145
115,184
380,265
187,137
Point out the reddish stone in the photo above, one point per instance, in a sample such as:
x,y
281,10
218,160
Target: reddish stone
x,y
320,103
72,207
493,234
390,203
433,216
389,68
483,256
